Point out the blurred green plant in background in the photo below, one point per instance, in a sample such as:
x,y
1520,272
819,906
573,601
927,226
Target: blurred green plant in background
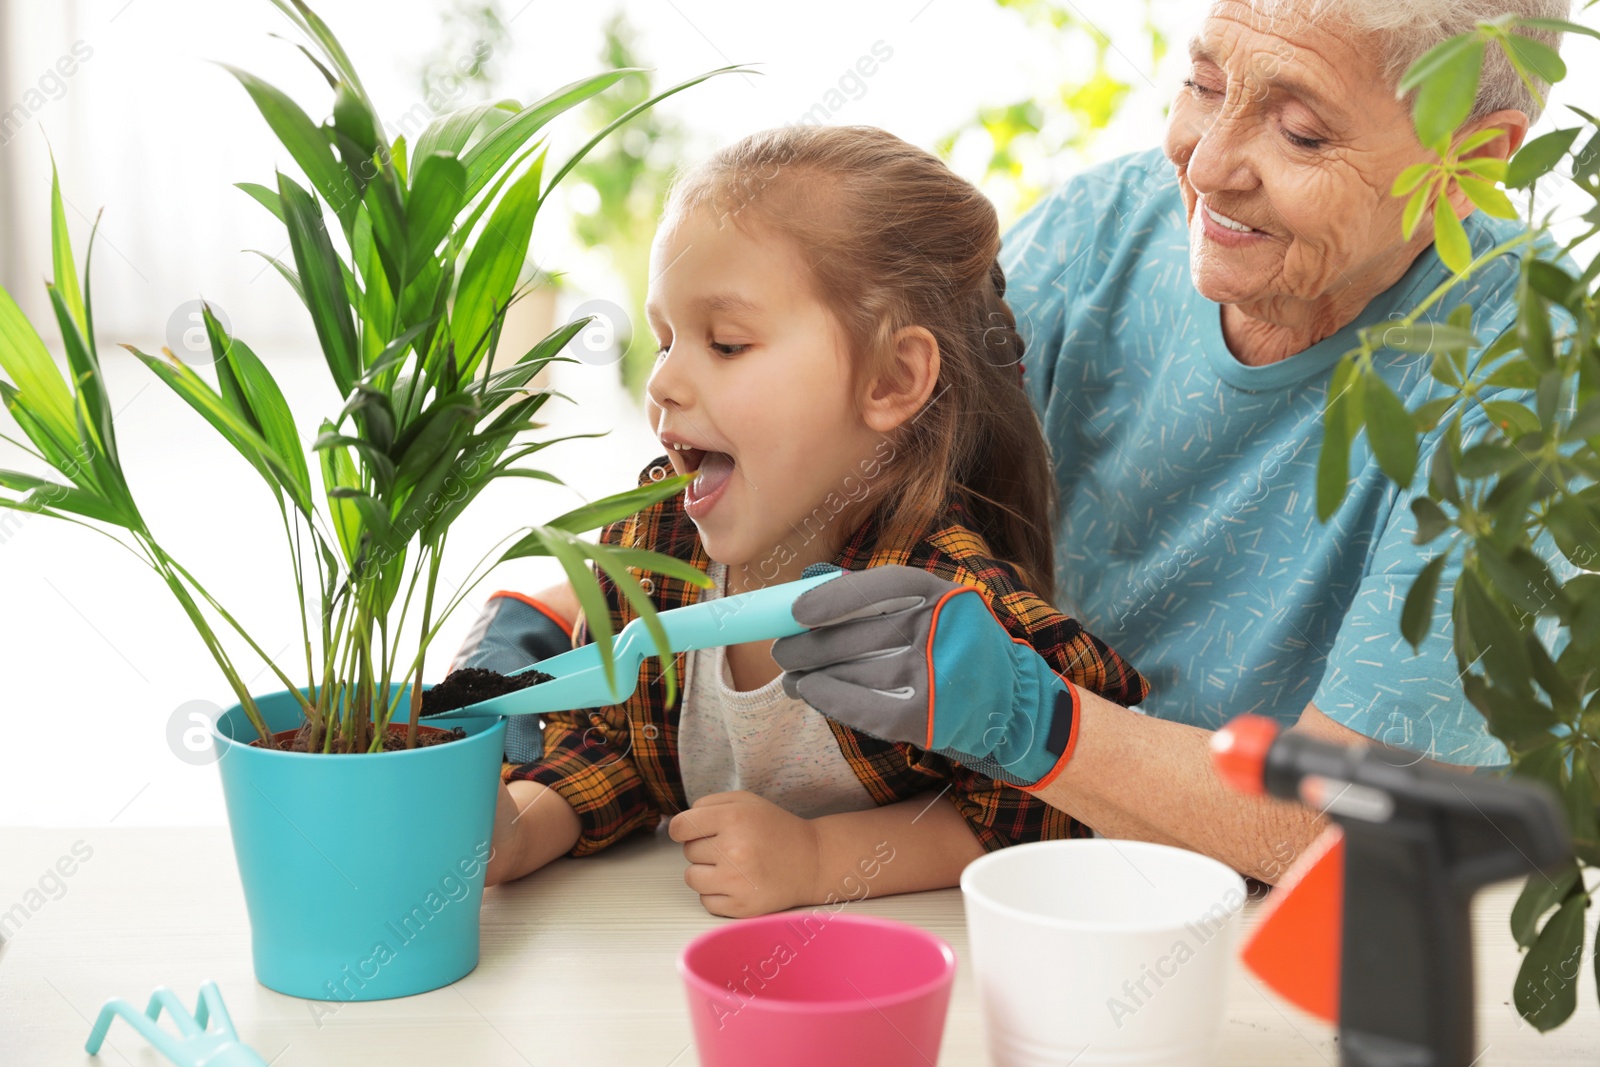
x,y
1028,135
472,36
629,175
617,193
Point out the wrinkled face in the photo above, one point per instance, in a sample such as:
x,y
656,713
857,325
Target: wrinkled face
x,y
752,389
1287,140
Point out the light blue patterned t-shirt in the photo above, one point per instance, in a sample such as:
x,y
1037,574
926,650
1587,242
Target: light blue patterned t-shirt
x,y
1188,535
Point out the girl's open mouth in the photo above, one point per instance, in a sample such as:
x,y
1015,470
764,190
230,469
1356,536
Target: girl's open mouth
x,y
712,473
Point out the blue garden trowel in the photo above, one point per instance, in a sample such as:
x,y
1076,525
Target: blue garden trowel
x,y
579,681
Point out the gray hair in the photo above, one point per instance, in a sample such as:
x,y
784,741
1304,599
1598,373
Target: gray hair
x,y
1406,29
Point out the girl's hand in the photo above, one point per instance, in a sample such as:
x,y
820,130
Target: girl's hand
x,y
747,856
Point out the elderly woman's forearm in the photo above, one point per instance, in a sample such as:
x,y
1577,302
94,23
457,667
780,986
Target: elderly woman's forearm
x,y
1131,773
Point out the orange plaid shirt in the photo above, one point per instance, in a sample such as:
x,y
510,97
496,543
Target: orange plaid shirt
x,y
618,766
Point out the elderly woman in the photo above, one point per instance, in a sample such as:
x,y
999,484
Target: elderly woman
x,y
1183,311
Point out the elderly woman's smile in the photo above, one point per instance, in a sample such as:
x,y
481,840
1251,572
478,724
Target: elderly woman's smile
x,y
1287,137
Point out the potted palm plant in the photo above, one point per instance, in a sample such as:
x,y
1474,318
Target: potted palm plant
x,y
361,835
1518,509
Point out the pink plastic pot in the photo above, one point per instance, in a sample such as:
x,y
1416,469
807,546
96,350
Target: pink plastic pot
x,y
817,987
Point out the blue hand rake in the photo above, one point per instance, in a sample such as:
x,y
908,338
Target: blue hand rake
x,y
198,1044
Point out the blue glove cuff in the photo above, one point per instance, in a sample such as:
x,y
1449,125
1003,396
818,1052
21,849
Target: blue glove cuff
x,y
1030,727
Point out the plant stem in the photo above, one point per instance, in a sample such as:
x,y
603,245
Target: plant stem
x,y
427,613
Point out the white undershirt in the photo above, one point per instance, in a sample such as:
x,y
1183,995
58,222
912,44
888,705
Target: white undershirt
x,y
762,740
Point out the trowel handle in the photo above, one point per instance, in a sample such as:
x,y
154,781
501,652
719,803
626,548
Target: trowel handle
x,y
760,615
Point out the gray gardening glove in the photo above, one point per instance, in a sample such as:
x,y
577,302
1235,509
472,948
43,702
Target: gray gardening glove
x,y
904,655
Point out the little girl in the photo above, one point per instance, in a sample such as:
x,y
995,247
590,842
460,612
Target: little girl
x,y
839,369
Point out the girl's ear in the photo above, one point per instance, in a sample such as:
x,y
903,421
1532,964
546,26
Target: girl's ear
x,y
904,387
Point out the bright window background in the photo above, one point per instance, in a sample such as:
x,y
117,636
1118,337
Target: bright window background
x,y
96,657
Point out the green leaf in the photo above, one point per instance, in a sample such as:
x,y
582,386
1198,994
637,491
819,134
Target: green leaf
x,y
62,457
596,613
66,280
1533,327
1514,374
1586,422
40,386
22,483
267,198
628,116
490,275
1575,528
448,134
1428,337
323,283
386,220
1522,580
284,270
1517,717
1476,141
271,413
352,119
393,353
1489,631
305,141
1446,79
1412,177
1489,169
484,159
1488,199
83,502
1535,57
671,566
1436,60
618,506
1414,209
181,379
1539,157
1488,459
643,607
1543,891
1390,429
1547,983
437,195
1551,281
99,440
1427,417
313,27
1431,519
1442,482
1512,418
1557,26
1416,615
339,472
1333,463
1450,237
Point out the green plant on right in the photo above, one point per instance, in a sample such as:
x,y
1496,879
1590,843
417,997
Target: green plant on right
x,y
1534,482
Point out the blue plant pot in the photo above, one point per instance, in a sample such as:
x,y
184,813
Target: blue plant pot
x,y
363,874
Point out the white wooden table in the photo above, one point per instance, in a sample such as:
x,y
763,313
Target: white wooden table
x,y
578,967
